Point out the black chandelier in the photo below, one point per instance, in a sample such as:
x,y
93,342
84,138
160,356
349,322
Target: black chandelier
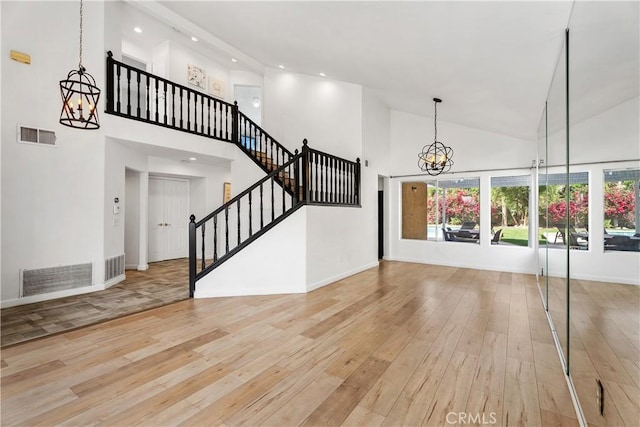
x,y
79,96
435,158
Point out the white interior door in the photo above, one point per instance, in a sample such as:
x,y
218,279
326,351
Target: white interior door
x,y
168,219
176,218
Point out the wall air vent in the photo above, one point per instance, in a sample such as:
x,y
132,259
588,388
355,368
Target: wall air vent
x,y
45,280
113,267
31,135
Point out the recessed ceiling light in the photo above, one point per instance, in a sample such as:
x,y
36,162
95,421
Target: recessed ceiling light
x,y
194,38
322,75
193,159
234,60
137,29
281,67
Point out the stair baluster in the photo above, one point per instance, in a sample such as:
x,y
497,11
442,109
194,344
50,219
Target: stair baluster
x,y
164,100
215,238
203,245
128,91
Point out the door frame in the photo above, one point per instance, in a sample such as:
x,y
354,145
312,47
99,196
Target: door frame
x,y
148,223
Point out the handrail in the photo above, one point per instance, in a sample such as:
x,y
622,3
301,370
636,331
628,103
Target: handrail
x,y
308,177
272,174
313,150
290,168
162,79
329,179
246,118
139,95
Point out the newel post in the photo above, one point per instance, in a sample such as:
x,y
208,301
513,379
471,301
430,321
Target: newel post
x,y
305,171
235,125
192,255
109,82
358,169
296,178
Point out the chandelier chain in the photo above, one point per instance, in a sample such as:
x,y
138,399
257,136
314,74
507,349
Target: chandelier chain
x,y
81,10
435,121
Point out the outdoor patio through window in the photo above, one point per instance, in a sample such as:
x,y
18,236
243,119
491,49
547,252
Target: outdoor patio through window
x,y
621,213
458,209
557,226
510,210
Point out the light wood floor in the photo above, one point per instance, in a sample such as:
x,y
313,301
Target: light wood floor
x,y
403,344
604,344
163,283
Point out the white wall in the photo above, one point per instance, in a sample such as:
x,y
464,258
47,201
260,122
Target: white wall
x,y
335,242
473,149
118,157
180,57
273,264
326,112
131,215
376,155
52,198
339,243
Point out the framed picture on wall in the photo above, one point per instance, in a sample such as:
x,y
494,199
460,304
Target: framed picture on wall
x,y
226,193
216,87
196,76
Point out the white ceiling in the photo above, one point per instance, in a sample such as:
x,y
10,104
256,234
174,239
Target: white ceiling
x,y
491,62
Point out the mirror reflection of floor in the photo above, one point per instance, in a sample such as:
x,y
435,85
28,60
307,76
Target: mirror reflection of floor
x,y
605,345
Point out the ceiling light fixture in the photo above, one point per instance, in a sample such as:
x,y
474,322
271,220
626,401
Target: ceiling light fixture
x,y
234,60
435,158
79,87
322,75
193,38
137,30
193,159
256,101
281,67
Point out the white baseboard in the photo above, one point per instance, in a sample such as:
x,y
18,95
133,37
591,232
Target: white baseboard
x,y
233,292
464,265
143,267
115,280
597,278
51,295
332,279
131,266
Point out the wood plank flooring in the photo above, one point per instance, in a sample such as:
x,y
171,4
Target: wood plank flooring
x,y
605,345
402,344
163,283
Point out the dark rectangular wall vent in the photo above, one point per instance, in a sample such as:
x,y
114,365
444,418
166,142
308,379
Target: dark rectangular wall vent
x,y
32,135
45,280
113,267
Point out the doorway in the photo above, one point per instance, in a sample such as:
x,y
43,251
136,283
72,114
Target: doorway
x,y
168,213
380,224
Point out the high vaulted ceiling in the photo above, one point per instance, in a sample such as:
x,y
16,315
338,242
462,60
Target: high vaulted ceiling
x,y
490,62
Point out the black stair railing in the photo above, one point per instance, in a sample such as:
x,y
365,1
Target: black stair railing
x,y
136,94
241,220
331,180
293,179
261,147
139,95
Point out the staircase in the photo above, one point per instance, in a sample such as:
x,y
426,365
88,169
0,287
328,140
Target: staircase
x,y
292,180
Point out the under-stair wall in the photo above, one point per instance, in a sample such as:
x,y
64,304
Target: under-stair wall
x,y
273,264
